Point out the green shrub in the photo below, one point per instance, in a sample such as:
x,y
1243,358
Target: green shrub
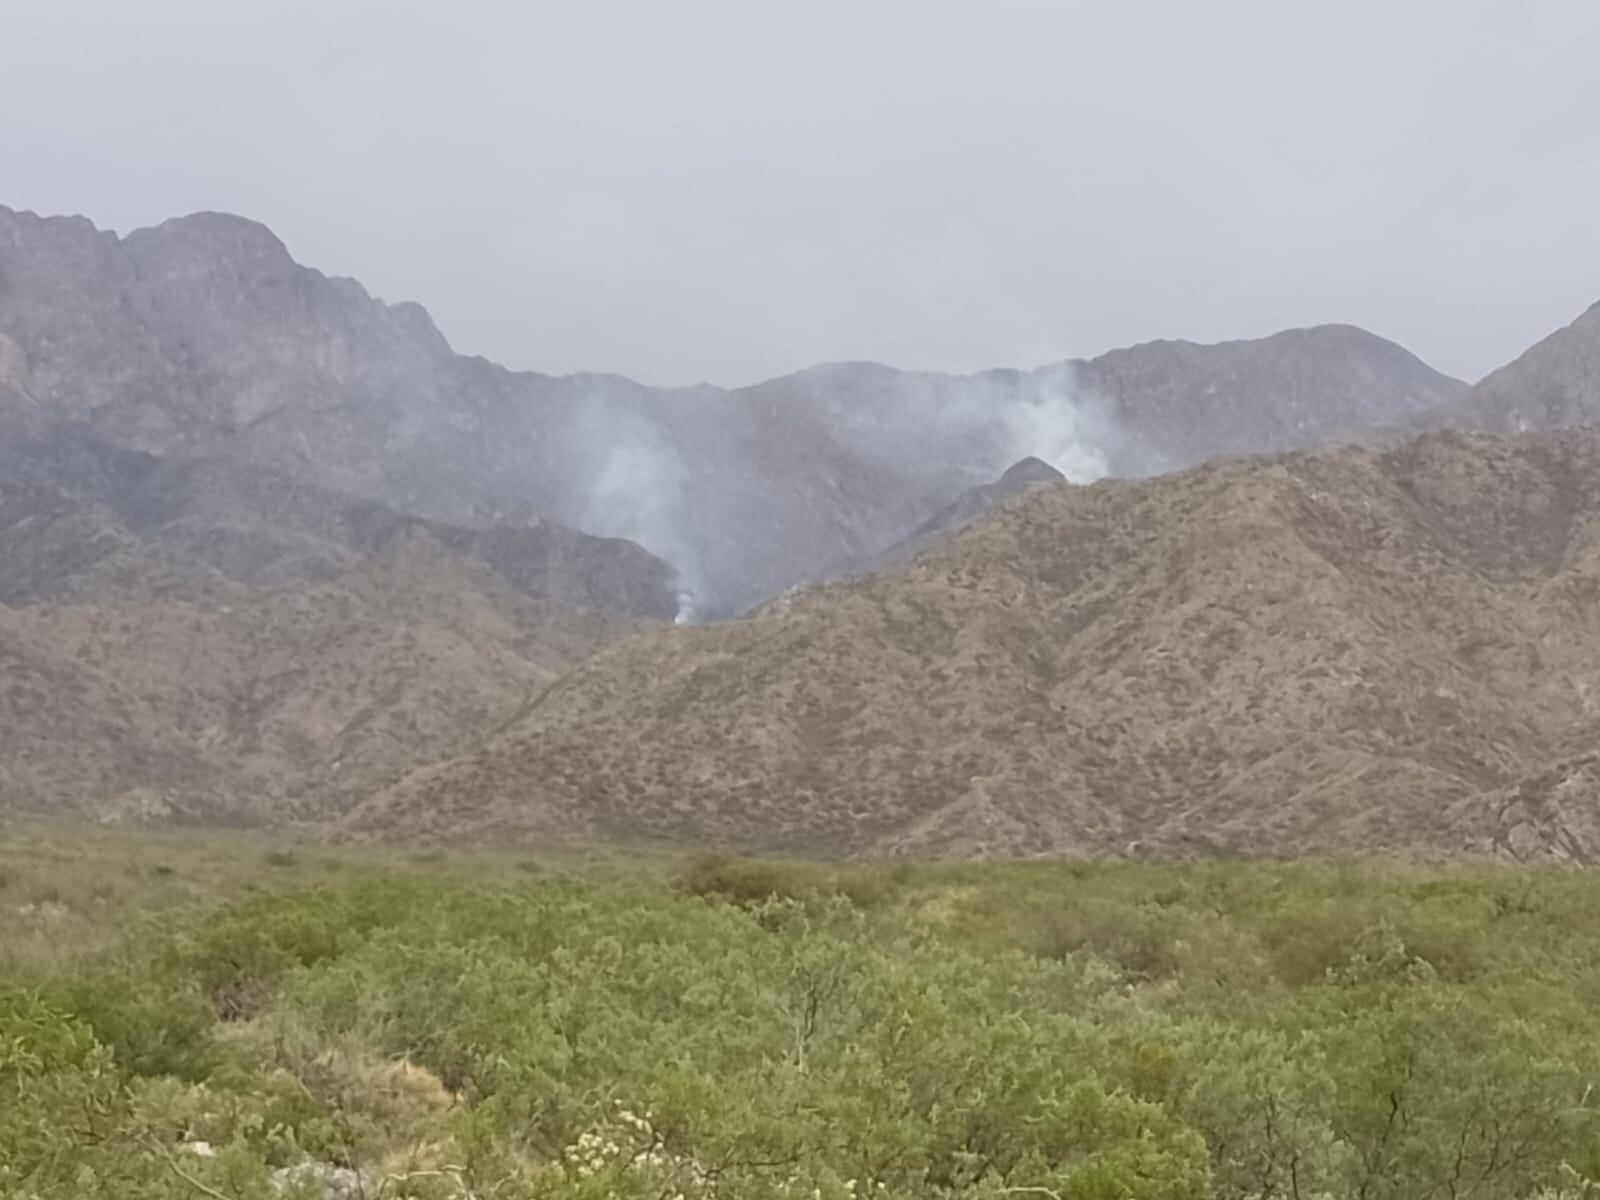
x,y
965,1033
150,1027
746,881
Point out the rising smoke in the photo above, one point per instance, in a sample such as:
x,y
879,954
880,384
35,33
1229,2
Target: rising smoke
x,y
864,454
1045,415
638,489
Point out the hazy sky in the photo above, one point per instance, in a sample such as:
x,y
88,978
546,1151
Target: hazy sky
x,y
685,189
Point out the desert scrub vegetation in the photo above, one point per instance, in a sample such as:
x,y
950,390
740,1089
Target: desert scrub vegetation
x,y
440,1025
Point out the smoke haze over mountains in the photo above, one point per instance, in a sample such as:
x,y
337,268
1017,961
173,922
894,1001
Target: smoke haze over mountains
x,y
204,336
722,191
657,471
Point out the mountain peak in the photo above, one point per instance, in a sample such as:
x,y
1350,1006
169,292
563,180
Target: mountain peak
x,y
218,224
1027,471
224,235
1554,384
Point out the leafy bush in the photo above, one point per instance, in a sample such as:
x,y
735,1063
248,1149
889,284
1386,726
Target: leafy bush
x,y
750,882
1086,1032
149,1026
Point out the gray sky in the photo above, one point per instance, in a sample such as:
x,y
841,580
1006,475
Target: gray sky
x,y
687,189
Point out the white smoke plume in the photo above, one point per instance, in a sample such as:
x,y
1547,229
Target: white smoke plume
x,y
1048,418
636,490
691,477
977,426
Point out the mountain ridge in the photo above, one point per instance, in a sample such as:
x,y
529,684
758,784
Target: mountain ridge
x,y
1554,384
271,550
1322,653
204,336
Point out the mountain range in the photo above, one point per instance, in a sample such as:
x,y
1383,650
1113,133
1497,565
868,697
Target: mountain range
x,y
1341,651
271,551
203,337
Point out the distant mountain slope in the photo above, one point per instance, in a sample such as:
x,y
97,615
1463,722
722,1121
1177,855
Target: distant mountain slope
x,y
189,638
267,704
203,337
70,503
1327,652
1552,385
1185,403
974,502
970,504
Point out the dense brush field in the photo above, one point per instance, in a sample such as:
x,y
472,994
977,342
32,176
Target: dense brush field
x,y
187,1017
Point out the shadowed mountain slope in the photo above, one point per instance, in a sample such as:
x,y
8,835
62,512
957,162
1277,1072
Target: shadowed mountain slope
x,y
71,503
192,639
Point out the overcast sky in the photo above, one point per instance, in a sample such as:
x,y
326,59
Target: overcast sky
x,y
685,189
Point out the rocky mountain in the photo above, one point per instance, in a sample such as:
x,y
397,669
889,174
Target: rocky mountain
x,y
201,639
1553,385
1348,650
77,514
1185,403
972,503
271,550
203,337
270,704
